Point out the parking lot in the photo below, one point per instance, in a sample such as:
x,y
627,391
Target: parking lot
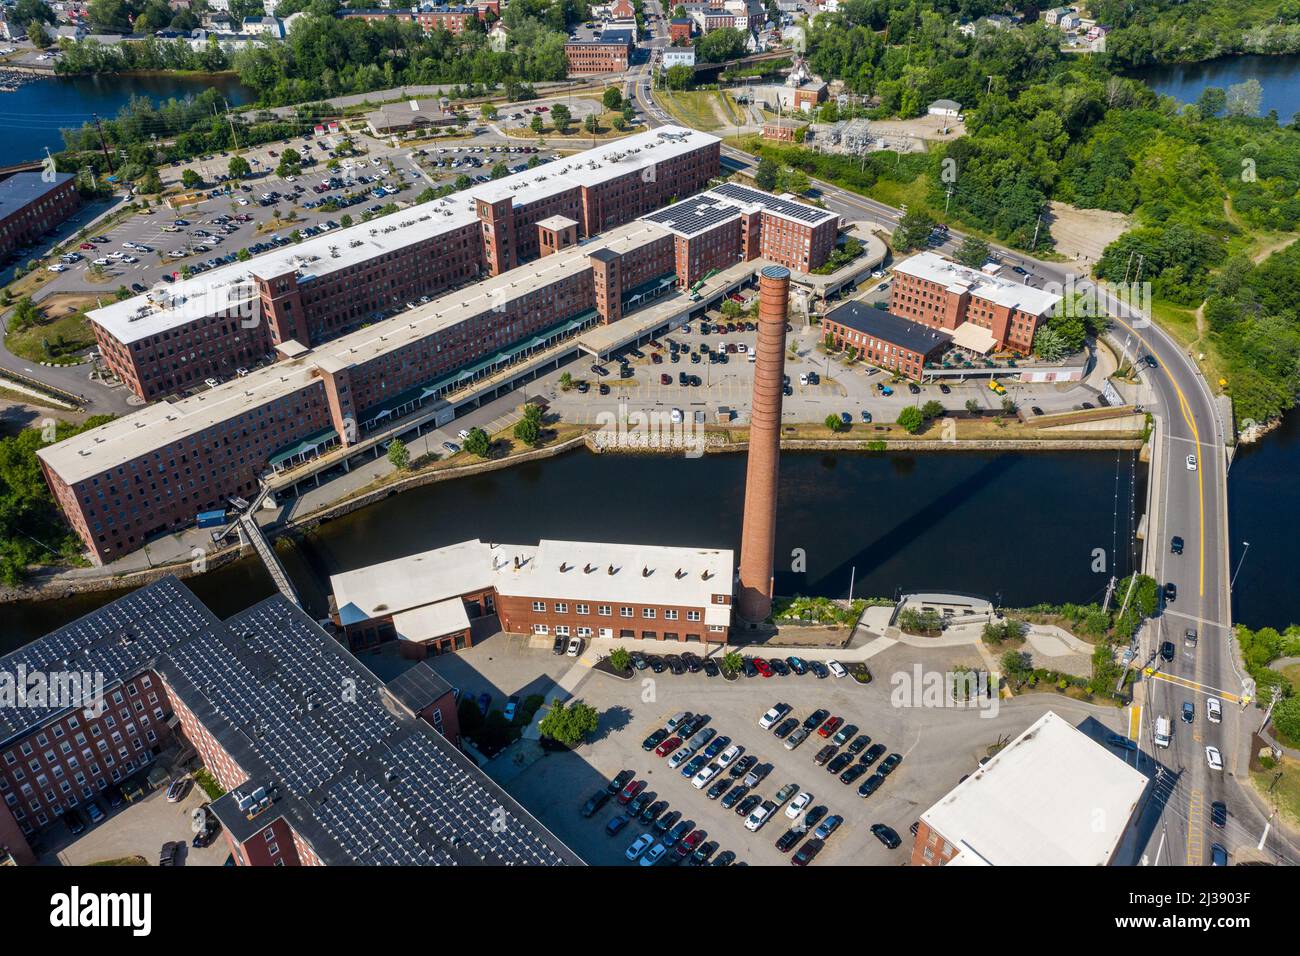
x,y
938,746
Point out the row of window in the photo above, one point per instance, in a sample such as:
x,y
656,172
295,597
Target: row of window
x,y
605,610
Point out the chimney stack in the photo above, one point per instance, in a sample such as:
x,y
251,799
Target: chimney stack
x,y
758,532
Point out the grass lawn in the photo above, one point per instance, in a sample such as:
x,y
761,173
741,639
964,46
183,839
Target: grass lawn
x,y
123,861
692,108
1285,794
67,335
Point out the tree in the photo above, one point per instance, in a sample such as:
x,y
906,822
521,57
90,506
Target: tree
x,y
731,663
1212,101
1243,99
1286,719
835,423
591,124
27,11
190,179
620,659
239,167
109,16
932,409
911,419
619,123
679,77
1008,405
488,111
913,231
561,117
290,163
529,428
345,220
151,183
36,33
612,98
398,454
765,175
477,443
973,406
569,722
500,171
537,124
720,45
973,252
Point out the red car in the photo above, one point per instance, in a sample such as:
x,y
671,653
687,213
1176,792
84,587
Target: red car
x,y
668,746
832,724
763,667
87,245
631,790
688,845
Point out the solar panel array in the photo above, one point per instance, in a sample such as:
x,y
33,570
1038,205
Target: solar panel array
x,y
694,215
117,641
377,831
791,210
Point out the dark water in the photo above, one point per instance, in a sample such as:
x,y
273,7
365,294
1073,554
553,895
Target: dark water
x,y
33,115
1024,526
1264,509
1278,75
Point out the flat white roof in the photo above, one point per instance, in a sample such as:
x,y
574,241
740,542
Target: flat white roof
x,y
210,292
1051,797
974,337
959,278
432,621
568,570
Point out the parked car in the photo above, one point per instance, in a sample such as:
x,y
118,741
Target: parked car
x,y
886,835
770,719
832,724
621,780
654,740
638,847
796,738
653,855
594,803
178,788
808,852
170,850
759,816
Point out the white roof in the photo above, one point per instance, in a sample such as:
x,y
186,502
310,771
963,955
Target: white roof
x,y
974,337
567,570
432,621
208,293
1051,797
959,278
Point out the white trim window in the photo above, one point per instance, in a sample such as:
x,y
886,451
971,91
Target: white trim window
x,y
670,614
584,632
561,607
561,630
541,629
604,610
539,605
583,608
648,613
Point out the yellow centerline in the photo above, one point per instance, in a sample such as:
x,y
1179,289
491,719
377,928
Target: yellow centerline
x,y
1190,419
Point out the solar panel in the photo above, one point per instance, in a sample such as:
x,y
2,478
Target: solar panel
x,y
784,207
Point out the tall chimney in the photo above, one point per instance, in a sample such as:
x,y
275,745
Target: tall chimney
x,y
758,532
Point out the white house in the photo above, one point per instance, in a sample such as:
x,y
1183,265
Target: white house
x,y
679,56
945,108
219,6
263,26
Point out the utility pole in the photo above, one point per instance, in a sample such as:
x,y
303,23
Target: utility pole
x,y
230,120
103,145
948,198
1037,224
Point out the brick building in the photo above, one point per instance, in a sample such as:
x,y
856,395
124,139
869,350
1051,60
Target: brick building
x,y
313,778
885,340
30,207
453,19
781,130
608,53
938,292
151,472
679,31
561,588
176,337
1052,797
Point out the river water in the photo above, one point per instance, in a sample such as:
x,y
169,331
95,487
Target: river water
x,y
1278,75
1024,526
33,115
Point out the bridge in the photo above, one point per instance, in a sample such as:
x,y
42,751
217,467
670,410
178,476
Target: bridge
x,y
250,533
27,167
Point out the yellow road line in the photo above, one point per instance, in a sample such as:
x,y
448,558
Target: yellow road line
x,y
1134,721
1191,685
1194,826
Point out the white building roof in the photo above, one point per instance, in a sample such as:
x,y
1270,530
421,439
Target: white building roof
x,y
139,317
978,339
432,621
958,278
416,580
1051,797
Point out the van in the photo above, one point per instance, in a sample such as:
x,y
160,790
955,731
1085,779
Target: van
x,y
1162,732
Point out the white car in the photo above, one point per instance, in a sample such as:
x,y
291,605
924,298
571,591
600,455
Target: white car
x,y
1213,710
677,416
837,669
639,846
57,267
290,179
654,855
754,822
463,434
1191,462
103,261
768,720
1214,758
798,805
729,756
243,201
803,378
211,382
701,779
575,646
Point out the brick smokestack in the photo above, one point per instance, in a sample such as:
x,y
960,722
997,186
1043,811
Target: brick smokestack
x,y
758,533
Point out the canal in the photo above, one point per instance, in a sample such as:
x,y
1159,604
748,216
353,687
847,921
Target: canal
x,y
1029,527
34,114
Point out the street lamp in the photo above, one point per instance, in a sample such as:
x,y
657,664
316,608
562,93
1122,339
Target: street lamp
x,y
1240,562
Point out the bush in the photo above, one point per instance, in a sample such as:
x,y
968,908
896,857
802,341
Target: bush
x,y
911,419
927,622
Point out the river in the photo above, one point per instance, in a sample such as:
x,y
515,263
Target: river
x,y
1279,76
33,115
1022,525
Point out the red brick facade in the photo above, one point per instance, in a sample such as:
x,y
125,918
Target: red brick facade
x,y
929,302
571,618
588,58
47,209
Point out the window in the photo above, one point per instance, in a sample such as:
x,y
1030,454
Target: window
x,y
625,612
539,605
604,610
561,607
692,615
670,614
541,629
584,632
648,613
583,608
561,630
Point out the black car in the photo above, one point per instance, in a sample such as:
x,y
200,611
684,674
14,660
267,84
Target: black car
x,y
652,813
619,782
814,816
1171,592
639,661
839,763
655,739
702,853
820,670
859,744
886,835
668,821
1167,650
1035,409
617,823
871,784
725,858
167,856
779,667
594,803
691,725
743,765
1219,814
720,786
1151,361
710,668
747,664
853,773
786,841
657,663
913,388
734,796
558,647
888,765
945,389
796,665
786,727
871,756
640,802
1176,545
693,663
75,822
675,664
824,755
746,806
807,852
816,719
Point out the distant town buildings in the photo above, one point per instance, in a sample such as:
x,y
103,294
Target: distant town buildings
x,y
1051,797
608,52
781,130
31,205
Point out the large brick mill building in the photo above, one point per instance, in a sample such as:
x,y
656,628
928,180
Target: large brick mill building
x,y
885,340
313,777
999,314
151,472
30,207
557,588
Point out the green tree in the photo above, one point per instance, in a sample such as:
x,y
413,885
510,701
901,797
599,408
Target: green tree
x,y
36,33
619,123
1212,101
500,170
591,124
290,163
679,77
529,428
488,111
569,723
932,409
911,419
151,183
835,423
620,659
766,173
731,663
477,443
399,456
239,167
913,231
190,179
1286,719
612,98
561,118
973,252
537,124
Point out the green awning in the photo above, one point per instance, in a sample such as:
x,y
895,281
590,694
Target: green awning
x,y
304,445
